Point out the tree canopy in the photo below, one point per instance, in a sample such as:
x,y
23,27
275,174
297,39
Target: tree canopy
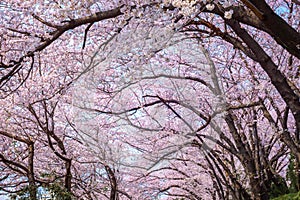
x,y
142,99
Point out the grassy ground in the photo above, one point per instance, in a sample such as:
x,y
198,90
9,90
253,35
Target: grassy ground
x,y
292,196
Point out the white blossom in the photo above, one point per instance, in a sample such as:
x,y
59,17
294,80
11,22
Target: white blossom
x,y
228,14
210,7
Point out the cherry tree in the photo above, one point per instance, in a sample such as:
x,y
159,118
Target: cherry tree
x,y
48,47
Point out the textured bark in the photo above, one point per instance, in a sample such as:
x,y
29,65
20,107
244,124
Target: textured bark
x,y
113,184
281,31
31,179
68,176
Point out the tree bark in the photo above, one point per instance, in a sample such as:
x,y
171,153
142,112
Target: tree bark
x,y
281,31
31,179
113,184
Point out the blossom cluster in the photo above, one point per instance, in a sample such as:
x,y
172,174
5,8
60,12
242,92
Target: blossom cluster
x,y
189,7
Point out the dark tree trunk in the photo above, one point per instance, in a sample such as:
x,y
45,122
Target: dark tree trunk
x,y
31,179
281,31
113,184
68,176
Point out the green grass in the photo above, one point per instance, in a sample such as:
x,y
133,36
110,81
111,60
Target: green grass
x,y
292,196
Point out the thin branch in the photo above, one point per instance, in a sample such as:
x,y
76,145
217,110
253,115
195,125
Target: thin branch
x,y
85,34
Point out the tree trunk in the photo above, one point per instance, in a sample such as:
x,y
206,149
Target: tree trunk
x,y
113,184
31,179
281,31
